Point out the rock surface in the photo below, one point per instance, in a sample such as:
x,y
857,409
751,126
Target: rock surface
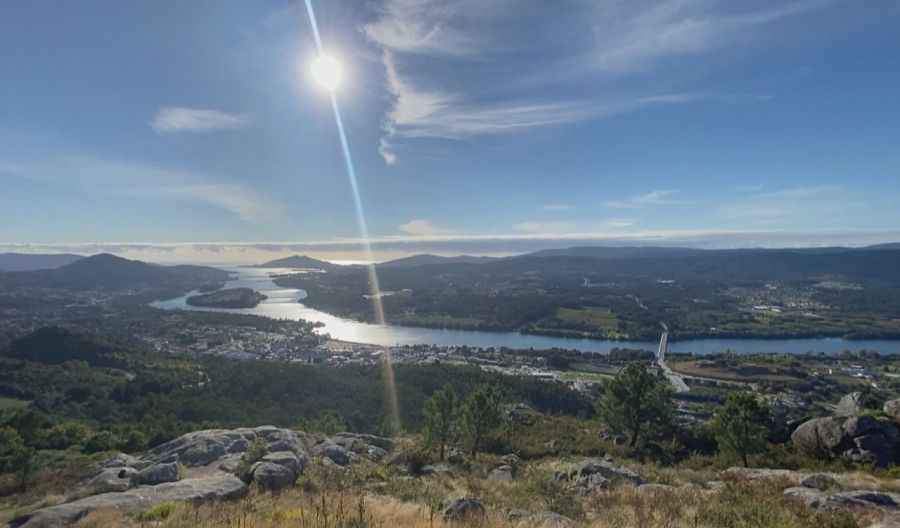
x,y
195,491
463,509
850,405
594,475
862,439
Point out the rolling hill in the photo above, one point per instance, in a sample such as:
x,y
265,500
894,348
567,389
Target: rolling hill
x,y
35,261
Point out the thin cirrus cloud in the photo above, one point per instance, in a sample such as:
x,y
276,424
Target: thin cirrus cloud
x,y
556,207
174,119
652,198
422,227
618,39
126,178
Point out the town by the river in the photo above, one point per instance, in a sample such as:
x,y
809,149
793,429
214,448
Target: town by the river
x,y
285,303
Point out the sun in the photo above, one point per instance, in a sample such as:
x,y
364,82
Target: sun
x,y
326,71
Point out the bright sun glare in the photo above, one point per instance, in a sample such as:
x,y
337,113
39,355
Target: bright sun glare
x,y
326,71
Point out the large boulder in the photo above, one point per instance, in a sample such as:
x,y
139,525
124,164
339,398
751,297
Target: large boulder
x,y
157,474
821,434
851,404
862,439
463,509
110,479
195,491
201,448
336,453
272,476
892,408
502,473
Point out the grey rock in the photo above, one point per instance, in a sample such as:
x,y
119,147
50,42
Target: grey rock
x,y
378,441
199,448
652,489
271,476
821,433
846,499
336,454
122,460
510,460
502,473
608,469
819,481
892,408
289,460
196,491
455,456
435,470
878,446
763,473
850,405
157,474
375,453
110,479
463,509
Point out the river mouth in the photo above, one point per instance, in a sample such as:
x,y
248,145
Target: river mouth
x,y
284,303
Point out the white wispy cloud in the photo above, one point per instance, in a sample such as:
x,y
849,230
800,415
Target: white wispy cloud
x,y
482,40
172,119
418,113
146,180
556,207
660,197
635,40
422,227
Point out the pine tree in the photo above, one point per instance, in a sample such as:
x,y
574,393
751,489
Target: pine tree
x,y
741,426
440,415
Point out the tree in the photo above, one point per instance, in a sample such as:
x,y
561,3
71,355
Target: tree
x,y
440,418
15,456
741,426
481,415
636,402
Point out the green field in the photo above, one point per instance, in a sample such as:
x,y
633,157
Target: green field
x,y
12,404
596,316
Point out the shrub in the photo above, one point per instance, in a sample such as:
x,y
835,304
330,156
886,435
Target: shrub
x,y
252,455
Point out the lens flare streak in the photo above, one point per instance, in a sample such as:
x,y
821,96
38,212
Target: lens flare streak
x,y
375,289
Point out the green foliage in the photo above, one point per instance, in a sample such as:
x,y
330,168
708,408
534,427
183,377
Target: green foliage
x,y
15,456
102,441
65,435
158,512
741,425
327,422
252,455
481,416
636,402
439,418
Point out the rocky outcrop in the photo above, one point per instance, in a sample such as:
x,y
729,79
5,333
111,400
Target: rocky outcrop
x,y
862,439
892,408
345,448
863,499
157,474
463,509
195,491
594,475
850,405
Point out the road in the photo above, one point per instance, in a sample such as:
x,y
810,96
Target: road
x,y
677,380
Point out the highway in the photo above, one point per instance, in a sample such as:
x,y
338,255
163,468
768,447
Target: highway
x,y
677,380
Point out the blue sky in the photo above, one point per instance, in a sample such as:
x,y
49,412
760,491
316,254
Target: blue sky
x,y
192,130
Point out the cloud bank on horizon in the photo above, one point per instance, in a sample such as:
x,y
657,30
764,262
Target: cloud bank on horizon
x,y
473,123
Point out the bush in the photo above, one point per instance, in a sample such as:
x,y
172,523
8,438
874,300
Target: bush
x,y
252,455
65,435
102,441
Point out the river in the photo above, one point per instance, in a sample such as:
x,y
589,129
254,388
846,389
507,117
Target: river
x,y
283,303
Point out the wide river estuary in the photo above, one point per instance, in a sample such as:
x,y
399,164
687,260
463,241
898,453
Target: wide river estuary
x,y
284,303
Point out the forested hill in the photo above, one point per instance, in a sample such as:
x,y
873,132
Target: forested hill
x,y
106,271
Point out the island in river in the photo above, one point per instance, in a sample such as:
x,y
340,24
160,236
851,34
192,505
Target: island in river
x,y
231,298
